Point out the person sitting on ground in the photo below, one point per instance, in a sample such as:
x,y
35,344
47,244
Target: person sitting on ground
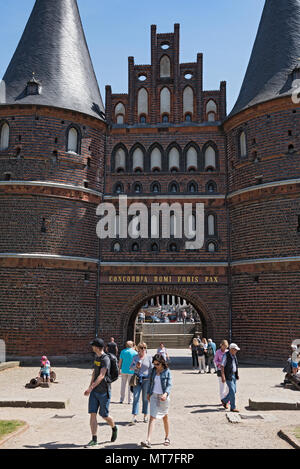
x,y
45,369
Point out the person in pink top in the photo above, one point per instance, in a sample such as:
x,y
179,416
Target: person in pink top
x,y
218,362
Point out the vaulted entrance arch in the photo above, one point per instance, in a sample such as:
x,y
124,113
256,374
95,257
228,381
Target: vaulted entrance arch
x,y
165,305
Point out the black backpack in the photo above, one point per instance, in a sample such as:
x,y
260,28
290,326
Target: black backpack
x,y
113,375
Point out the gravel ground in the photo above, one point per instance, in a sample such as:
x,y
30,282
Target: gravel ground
x,y
197,420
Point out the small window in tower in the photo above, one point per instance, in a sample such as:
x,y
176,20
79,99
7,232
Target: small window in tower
x,y
143,119
165,118
165,45
243,144
188,118
73,141
188,76
4,136
33,87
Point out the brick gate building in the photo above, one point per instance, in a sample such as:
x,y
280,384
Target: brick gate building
x,y
168,140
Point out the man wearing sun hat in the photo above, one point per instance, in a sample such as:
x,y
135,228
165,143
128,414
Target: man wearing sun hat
x,y
230,373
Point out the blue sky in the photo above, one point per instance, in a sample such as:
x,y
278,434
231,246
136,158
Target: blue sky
x,y
223,30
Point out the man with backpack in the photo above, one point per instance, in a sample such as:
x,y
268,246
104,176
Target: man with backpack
x,y
99,391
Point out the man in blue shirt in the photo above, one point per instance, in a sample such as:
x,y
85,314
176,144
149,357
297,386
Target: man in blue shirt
x,y
125,361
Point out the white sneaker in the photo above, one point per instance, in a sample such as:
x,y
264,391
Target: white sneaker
x,y
133,422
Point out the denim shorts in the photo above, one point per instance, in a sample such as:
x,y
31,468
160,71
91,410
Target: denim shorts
x,y
294,365
99,401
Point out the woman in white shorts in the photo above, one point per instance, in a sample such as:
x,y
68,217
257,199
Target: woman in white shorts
x,y
159,396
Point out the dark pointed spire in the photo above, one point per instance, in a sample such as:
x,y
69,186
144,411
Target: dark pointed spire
x,y
275,55
53,53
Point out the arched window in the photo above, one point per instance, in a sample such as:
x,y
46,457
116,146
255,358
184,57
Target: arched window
x,y
173,188
165,67
138,160
143,119
212,247
4,136
165,101
116,247
137,188
119,189
243,144
154,247
156,160
120,160
188,101
211,225
192,187
211,187
120,113
210,159
192,159
73,140
135,247
143,102
155,188
211,110
174,159
173,247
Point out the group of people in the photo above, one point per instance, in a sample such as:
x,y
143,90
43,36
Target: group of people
x,y
143,375
206,357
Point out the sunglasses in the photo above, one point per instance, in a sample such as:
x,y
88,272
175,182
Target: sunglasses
x,y
156,364
142,348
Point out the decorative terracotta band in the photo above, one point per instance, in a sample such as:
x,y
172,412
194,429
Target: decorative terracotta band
x,y
289,187
50,189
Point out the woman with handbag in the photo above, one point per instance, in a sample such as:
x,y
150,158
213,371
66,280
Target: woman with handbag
x,y
218,362
142,366
159,397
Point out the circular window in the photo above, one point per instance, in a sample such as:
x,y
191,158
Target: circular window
x,y
165,46
188,76
142,77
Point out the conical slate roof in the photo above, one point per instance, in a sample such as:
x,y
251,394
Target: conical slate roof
x,y
276,53
53,53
